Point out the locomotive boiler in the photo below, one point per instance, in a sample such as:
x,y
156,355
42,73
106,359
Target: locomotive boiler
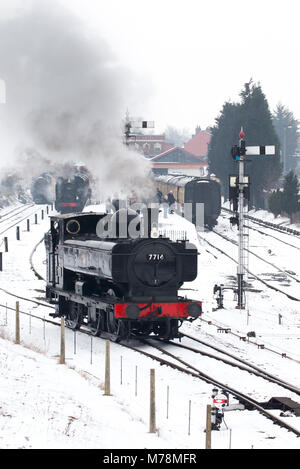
x,y
119,287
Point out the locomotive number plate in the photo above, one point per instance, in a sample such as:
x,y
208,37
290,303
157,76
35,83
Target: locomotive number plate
x,y
155,257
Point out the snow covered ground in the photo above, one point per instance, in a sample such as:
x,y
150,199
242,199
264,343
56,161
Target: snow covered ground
x,y
47,405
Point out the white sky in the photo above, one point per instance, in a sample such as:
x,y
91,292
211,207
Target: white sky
x,y
191,56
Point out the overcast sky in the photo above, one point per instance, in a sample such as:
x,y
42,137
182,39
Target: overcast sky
x,y
188,57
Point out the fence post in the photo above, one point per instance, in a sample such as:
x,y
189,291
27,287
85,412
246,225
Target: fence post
x,y
17,341
1,262
168,401
208,427
152,426
62,360
107,369
91,349
6,244
189,427
121,370
28,224
35,218
136,368
18,233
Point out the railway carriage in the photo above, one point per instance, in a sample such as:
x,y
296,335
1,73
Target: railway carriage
x,y
193,190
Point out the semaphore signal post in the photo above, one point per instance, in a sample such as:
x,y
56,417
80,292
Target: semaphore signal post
x,y
239,191
130,138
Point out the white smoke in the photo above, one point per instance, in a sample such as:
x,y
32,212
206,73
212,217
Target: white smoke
x,y
66,96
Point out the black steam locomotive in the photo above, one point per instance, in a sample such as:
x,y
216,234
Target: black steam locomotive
x,y
72,194
42,189
193,190
118,287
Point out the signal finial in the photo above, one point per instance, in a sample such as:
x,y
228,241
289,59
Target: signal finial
x,y
242,133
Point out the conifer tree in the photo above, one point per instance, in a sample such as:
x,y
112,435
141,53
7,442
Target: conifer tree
x,y
286,127
253,114
275,202
290,195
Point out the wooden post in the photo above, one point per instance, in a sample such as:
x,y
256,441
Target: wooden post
x,y
35,218
168,392
17,341
44,329
42,214
107,369
189,427
1,262
28,224
6,244
121,370
152,426
208,427
91,349
18,233
62,360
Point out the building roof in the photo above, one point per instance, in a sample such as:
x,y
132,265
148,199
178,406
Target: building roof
x,y
175,155
177,158
198,144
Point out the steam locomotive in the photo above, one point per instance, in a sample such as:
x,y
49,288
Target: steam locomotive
x,y
43,189
116,285
193,190
72,194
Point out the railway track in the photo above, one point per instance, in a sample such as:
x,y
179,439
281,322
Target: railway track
x,y
15,211
264,233
17,217
185,367
274,226
181,365
32,266
279,269
272,287
242,364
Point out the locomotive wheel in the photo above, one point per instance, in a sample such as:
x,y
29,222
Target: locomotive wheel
x,y
74,315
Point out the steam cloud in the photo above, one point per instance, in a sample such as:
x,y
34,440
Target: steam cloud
x,y
66,97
